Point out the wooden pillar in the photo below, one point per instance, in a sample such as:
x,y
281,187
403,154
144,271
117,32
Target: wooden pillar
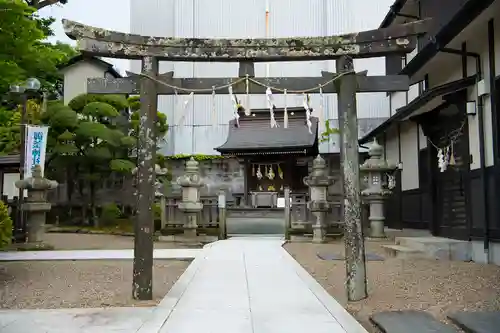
x,y
142,286
247,171
354,242
288,174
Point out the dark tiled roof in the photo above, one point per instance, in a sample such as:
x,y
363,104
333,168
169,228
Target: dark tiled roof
x,y
393,13
420,101
468,13
9,159
259,136
97,60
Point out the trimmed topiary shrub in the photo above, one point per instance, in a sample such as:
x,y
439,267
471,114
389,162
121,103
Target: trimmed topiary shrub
x,y
5,225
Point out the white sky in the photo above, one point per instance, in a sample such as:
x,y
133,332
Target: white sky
x,y
108,14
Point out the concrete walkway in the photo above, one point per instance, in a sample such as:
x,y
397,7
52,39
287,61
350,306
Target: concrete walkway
x,y
249,285
173,254
241,285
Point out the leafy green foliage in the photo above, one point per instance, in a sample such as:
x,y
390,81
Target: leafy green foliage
x,y
10,120
325,136
93,139
109,214
122,165
196,157
5,225
161,119
157,212
24,52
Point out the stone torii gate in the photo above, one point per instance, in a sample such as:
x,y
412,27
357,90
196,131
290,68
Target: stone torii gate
x,y
344,48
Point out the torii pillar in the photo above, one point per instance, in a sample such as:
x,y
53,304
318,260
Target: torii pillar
x,y
398,39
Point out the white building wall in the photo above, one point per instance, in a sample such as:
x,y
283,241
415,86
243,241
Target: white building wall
x,y
75,78
409,155
199,129
478,45
422,138
392,146
398,100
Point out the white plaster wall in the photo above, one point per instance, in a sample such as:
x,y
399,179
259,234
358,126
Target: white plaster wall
x,y
412,92
392,146
477,44
421,138
9,188
398,99
75,78
480,46
409,155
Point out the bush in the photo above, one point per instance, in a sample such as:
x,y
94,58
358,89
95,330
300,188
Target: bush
x,y
157,216
5,225
109,214
157,212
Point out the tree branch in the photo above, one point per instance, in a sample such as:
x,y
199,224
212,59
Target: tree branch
x,y
39,4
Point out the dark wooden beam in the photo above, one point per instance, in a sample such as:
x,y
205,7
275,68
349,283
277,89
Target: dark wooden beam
x,y
131,85
365,44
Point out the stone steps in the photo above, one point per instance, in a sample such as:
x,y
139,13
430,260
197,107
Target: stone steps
x,y
477,322
411,321
401,252
430,247
437,247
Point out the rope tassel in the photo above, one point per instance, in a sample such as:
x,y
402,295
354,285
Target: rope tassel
x,y
184,106
235,105
306,106
247,102
214,109
270,104
321,106
285,116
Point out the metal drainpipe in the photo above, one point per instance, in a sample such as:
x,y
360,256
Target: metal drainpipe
x,y
482,152
482,160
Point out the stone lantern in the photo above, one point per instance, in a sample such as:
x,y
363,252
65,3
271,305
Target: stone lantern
x,y
190,204
377,190
36,203
319,181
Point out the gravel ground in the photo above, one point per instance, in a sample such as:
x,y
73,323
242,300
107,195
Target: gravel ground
x,y
439,287
73,284
67,241
79,284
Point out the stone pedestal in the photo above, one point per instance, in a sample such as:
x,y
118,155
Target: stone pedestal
x,y
190,205
36,203
376,191
318,182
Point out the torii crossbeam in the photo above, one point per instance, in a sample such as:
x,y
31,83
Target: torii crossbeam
x,y
397,39
365,44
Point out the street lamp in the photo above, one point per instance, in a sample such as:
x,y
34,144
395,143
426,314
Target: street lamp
x,y
30,87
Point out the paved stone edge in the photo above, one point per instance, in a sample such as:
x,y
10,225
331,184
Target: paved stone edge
x,y
125,254
344,318
163,310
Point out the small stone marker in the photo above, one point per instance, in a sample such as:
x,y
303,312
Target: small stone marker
x,y
477,322
409,321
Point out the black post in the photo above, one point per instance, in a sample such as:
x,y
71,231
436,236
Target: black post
x,y
142,288
354,242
